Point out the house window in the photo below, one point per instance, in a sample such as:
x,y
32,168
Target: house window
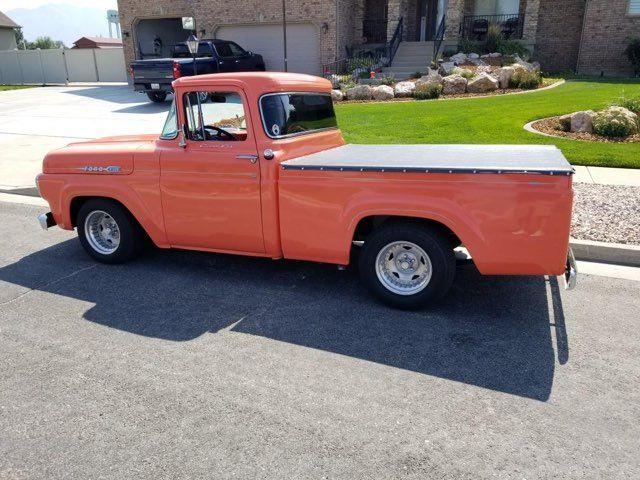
x,y
634,7
497,7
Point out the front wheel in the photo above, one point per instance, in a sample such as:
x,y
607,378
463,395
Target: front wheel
x,y
157,97
407,265
107,232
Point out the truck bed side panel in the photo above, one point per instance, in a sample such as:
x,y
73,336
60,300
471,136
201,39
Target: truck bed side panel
x,y
511,223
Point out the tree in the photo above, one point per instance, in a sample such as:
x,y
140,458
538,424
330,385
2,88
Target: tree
x,y
44,43
633,54
19,38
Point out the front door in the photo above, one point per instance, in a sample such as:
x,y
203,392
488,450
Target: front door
x,y
211,188
427,19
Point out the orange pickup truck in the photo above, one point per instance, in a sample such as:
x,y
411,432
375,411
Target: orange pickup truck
x,y
254,164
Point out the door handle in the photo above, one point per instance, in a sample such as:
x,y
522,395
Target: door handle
x,y
251,158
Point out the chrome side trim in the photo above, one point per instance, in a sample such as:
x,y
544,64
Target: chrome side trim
x,y
571,272
336,168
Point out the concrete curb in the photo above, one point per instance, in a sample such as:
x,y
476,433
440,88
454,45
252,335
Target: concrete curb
x,y
601,252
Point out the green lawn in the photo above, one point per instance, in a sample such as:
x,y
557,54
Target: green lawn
x,y
492,120
14,87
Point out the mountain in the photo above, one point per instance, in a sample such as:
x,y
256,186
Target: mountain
x,y
61,22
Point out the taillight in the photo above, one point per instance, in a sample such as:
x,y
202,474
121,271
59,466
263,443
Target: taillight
x,y
133,76
177,73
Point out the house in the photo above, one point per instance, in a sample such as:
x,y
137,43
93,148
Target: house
x,y
7,33
588,36
97,42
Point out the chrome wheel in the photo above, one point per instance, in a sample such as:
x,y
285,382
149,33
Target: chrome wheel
x,y
403,268
102,232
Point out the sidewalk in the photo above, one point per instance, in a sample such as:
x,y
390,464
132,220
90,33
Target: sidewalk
x,y
607,176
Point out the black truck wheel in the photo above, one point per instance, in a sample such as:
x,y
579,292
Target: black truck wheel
x,y
107,232
407,265
157,97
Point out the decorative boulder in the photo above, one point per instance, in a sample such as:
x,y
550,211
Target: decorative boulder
x,y
360,92
565,122
483,69
505,74
473,56
582,122
404,89
529,67
337,95
431,77
463,72
459,57
495,55
482,83
446,68
383,92
454,85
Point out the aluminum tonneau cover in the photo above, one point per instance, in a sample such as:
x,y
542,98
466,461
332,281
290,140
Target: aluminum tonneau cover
x,y
523,159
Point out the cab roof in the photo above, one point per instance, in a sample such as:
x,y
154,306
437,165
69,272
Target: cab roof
x,y
259,82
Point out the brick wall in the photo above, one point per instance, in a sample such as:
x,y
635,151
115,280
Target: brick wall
x,y
558,34
608,28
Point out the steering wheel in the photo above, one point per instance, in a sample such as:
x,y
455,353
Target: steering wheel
x,y
221,132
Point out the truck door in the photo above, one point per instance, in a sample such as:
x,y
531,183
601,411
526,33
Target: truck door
x,y
211,187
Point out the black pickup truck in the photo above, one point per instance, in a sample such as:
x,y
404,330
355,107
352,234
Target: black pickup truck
x,y
154,76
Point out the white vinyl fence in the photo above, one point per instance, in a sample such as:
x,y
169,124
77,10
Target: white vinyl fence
x,y
57,66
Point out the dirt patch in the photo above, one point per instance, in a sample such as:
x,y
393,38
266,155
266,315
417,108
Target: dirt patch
x,y
551,126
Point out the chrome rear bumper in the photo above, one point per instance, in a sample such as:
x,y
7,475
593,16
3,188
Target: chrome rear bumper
x,y
46,220
570,272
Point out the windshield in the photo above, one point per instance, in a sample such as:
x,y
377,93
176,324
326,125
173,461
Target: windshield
x,y
170,129
285,114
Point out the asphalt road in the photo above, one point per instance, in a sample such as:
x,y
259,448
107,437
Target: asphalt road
x,y
190,365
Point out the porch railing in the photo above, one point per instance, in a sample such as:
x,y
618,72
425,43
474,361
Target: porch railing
x,y
476,26
392,46
374,30
437,43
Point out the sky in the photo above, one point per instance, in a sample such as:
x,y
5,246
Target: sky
x,y
11,4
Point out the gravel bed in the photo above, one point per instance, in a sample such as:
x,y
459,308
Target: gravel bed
x,y
606,213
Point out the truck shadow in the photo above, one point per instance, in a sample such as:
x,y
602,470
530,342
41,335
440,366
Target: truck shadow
x,y
492,332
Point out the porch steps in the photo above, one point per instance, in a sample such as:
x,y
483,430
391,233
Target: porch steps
x,y
411,57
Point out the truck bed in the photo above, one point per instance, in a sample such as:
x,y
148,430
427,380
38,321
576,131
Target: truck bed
x,y
522,159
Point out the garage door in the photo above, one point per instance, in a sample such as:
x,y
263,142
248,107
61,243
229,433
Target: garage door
x,y
303,49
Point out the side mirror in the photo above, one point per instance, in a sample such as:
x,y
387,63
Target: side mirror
x,y
182,137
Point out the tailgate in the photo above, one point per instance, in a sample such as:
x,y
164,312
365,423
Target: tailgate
x,y
153,71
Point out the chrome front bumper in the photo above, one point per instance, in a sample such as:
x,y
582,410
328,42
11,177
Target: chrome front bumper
x,y
570,272
46,220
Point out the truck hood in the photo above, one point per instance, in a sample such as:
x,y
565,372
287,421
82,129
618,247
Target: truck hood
x,y
110,155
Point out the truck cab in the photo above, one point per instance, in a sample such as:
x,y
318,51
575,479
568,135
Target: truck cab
x,y
255,164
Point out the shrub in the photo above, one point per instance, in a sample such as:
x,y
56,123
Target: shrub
x,y
526,80
614,122
494,39
426,91
417,74
633,54
630,103
469,46
388,80
510,48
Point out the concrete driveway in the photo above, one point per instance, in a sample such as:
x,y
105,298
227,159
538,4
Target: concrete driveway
x,y
192,365
37,120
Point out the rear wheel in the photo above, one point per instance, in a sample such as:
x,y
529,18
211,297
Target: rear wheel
x,y
107,231
407,265
157,97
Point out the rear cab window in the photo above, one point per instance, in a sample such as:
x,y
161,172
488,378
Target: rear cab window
x,y
288,114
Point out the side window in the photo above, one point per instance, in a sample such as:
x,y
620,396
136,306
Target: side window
x,y
236,50
223,49
215,116
204,50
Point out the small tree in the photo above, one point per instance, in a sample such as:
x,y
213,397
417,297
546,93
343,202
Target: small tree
x,y
633,54
19,38
44,43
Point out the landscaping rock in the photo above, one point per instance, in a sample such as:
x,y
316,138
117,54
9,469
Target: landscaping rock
x,y
565,122
337,95
473,56
529,67
495,55
505,74
360,92
482,83
431,77
454,85
383,92
404,89
459,57
483,69
446,68
582,121
463,72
